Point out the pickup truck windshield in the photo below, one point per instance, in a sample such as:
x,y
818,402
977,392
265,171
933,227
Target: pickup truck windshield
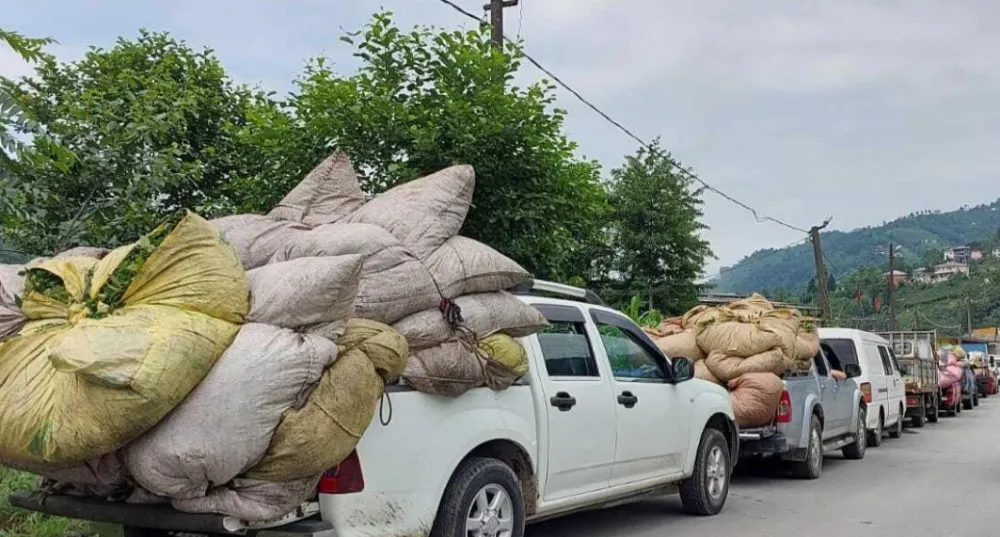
x,y
844,350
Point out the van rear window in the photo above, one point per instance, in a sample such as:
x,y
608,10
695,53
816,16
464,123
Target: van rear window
x,y
844,349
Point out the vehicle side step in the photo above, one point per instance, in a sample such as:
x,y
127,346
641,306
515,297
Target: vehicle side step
x,y
838,443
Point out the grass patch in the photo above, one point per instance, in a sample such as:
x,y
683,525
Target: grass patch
x,y
16,522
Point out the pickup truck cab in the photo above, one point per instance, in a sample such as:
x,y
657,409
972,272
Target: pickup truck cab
x,y
602,417
818,413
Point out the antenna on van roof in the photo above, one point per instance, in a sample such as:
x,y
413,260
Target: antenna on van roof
x,y
560,290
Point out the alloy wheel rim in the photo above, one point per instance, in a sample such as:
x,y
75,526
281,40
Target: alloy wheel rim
x,y
715,473
491,513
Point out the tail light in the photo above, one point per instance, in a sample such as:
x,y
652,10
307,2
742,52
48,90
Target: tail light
x,y
784,408
345,478
912,401
866,390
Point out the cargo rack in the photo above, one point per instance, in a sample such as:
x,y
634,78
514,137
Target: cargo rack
x,y
558,290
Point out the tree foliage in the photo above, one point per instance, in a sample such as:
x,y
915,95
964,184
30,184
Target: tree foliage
x,y
655,232
150,126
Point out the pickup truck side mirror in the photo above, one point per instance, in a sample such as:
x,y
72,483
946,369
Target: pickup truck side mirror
x,y
852,371
683,369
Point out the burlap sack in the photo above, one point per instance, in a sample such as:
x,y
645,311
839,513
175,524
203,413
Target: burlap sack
x,y
699,316
738,338
755,398
449,369
668,327
256,238
806,346
225,426
329,193
785,323
701,371
320,434
484,314
252,500
393,283
11,288
726,367
684,344
305,292
462,266
422,213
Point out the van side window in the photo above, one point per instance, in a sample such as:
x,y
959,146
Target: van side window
x,y
629,359
886,361
567,350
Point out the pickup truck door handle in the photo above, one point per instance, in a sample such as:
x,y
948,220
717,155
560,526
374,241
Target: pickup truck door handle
x,y
563,401
627,400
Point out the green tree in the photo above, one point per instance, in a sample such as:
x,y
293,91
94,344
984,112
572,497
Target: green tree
x,y
425,99
655,232
151,125
12,118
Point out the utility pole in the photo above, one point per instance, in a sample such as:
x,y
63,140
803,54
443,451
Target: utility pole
x,y
891,302
968,313
496,7
821,277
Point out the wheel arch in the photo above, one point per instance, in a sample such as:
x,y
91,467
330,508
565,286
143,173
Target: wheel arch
x,y
517,458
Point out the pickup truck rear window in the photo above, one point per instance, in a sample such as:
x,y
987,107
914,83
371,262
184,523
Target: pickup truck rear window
x,y
844,350
567,350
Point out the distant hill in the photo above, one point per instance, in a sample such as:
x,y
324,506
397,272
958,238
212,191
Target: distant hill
x,y
915,235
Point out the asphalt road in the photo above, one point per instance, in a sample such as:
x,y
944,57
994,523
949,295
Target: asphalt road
x,y
942,480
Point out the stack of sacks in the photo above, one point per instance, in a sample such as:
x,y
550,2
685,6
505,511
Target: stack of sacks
x,y
414,265
951,373
110,346
745,345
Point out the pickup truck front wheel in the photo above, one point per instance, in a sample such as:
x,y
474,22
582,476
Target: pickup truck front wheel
x,y
483,499
705,492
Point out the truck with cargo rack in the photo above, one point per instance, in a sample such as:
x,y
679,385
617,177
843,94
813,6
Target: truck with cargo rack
x,y
916,356
601,418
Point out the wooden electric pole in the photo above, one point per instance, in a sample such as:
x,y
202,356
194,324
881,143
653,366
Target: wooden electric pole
x,y
968,313
891,291
821,277
496,7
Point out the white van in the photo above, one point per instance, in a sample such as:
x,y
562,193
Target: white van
x,y
880,381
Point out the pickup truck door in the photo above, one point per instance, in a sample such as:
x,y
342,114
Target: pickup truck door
x,y
837,405
653,425
578,432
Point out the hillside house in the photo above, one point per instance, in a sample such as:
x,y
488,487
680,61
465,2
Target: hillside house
x,y
976,255
897,277
958,254
947,271
922,275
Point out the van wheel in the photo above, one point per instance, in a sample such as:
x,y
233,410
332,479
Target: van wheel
x,y
812,467
875,437
483,498
897,430
856,451
705,492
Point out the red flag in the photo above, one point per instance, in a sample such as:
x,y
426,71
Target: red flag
x,y
877,303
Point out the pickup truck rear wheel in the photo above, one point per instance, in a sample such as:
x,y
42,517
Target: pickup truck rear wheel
x,y
483,499
705,492
856,451
812,467
932,414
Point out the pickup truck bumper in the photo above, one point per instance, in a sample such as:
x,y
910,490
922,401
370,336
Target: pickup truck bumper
x,y
758,444
159,517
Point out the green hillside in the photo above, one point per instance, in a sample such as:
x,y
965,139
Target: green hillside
x,y
917,235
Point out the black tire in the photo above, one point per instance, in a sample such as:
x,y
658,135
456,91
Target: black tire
x,y
966,404
959,407
932,416
975,399
875,437
897,430
705,492
472,484
918,420
812,467
856,451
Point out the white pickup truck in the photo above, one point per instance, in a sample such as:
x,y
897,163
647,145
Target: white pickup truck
x,y
602,418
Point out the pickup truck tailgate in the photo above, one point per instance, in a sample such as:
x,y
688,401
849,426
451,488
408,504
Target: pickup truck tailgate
x,y
158,517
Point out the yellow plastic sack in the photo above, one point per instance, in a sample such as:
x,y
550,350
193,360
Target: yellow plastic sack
x,y
316,437
116,344
508,352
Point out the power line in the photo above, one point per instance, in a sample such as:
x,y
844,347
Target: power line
x,y
754,261
687,173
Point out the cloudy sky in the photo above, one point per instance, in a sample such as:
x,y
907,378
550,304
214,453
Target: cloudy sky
x,y
860,109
